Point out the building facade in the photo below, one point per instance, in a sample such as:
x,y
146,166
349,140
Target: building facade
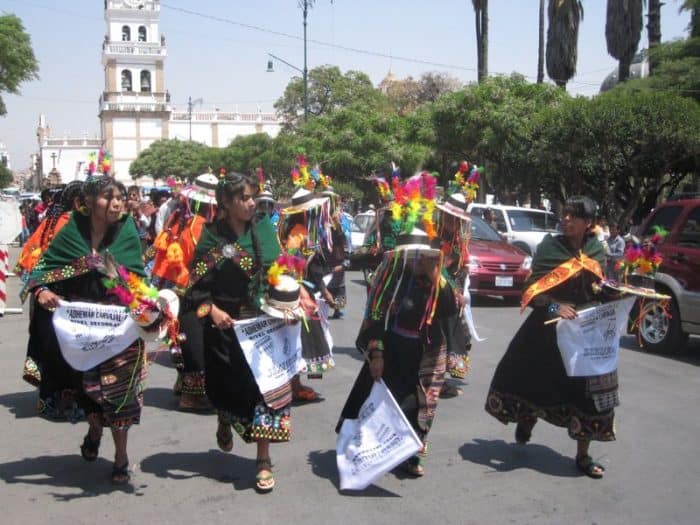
x,y
135,108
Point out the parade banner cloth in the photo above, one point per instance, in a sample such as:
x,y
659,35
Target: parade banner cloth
x,y
89,334
4,270
272,349
377,441
589,344
324,311
467,312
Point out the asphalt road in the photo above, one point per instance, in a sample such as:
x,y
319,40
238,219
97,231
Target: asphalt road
x,y
474,474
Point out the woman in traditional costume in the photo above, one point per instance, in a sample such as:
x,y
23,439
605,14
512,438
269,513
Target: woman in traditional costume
x,y
174,252
304,230
73,269
50,403
227,282
454,231
401,334
530,381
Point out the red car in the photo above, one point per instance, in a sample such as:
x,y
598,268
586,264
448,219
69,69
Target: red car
x,y
495,267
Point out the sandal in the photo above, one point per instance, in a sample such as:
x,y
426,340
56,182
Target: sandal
x,y
523,432
305,394
224,437
587,466
449,391
121,475
264,483
90,449
414,466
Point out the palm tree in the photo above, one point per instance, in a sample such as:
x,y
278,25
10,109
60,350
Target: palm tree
x,y
562,39
540,46
623,29
481,17
694,7
653,29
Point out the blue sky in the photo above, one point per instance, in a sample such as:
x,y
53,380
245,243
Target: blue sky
x,y
224,63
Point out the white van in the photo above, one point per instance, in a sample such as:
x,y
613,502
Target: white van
x,y
521,227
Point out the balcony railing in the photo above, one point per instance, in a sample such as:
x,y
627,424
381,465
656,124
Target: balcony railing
x,y
134,49
213,116
140,97
133,106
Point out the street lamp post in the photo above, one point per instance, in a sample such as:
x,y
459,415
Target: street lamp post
x,y
305,5
190,104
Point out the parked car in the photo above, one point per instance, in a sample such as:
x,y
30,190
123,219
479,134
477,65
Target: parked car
x,y
521,227
678,276
365,220
495,267
357,235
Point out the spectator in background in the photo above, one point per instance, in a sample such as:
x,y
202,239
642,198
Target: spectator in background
x,y
614,252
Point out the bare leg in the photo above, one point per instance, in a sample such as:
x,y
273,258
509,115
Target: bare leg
x,y
584,461
120,438
264,481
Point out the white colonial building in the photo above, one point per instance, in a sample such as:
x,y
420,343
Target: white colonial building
x,y
135,108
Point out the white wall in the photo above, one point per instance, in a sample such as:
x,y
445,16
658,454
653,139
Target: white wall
x,y
123,127
71,162
151,128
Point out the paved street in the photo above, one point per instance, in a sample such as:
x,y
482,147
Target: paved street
x,y
474,474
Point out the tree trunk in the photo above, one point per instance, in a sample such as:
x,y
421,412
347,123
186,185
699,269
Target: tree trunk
x,y
623,71
540,46
481,19
654,30
485,38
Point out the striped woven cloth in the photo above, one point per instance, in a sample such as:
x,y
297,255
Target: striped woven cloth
x,y
4,270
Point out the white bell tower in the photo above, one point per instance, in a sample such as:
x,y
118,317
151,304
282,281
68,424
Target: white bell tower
x,y
135,106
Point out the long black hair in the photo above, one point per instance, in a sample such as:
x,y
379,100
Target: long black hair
x,y
233,184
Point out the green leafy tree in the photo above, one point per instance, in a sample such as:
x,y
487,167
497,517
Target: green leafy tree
x,y
407,94
354,142
491,123
625,149
17,61
562,39
177,158
328,90
623,29
5,176
676,64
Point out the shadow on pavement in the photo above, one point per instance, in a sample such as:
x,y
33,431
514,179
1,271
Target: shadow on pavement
x,y
21,404
349,351
159,397
67,471
215,465
689,354
323,464
505,457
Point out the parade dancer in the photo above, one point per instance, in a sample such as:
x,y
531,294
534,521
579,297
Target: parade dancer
x,y
401,333
73,268
227,282
304,229
530,382
174,250
454,231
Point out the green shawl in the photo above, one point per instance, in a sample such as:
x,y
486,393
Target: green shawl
x,y
69,254
212,250
552,252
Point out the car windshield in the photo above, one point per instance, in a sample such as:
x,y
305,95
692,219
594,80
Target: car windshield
x,y
364,220
482,231
532,221
354,227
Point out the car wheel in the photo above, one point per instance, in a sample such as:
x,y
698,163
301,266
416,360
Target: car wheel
x,y
660,331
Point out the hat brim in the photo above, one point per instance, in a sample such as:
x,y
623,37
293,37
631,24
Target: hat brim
x,y
198,195
454,211
294,313
316,202
173,302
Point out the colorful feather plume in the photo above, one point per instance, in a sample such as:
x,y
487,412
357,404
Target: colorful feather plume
x,y
644,258
414,204
286,264
466,181
301,177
